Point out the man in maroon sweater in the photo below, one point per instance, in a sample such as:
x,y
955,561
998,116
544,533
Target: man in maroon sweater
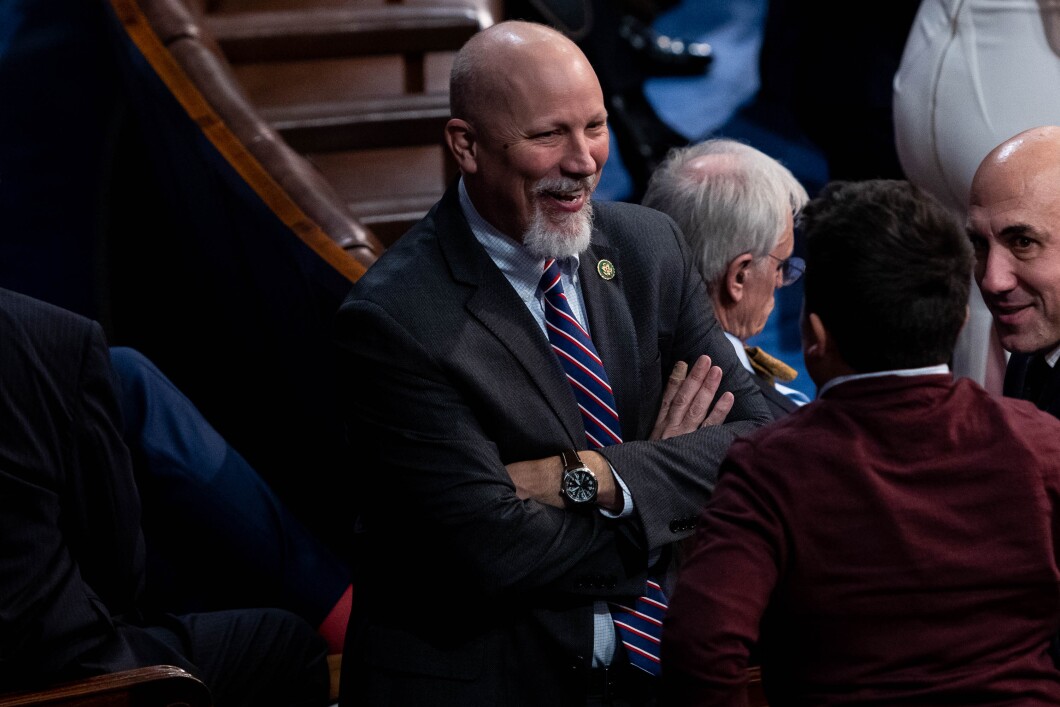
x,y
893,542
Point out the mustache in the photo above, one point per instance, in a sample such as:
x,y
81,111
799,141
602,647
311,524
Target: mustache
x,y
566,184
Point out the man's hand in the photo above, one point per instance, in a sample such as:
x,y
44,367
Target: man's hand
x,y
686,400
685,407
539,479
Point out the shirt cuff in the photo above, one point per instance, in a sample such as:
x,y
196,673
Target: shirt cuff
x,y
627,498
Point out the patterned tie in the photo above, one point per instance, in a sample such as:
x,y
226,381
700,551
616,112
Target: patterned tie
x,y
639,627
580,362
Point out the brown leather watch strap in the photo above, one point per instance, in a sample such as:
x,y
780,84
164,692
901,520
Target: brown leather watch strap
x,y
571,460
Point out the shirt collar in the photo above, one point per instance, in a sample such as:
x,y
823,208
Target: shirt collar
x,y
522,269
924,371
1052,357
741,352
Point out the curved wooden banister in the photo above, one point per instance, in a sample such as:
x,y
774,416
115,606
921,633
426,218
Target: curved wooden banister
x,y
275,197
154,686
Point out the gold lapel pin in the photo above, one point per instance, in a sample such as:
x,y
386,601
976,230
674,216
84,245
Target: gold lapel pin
x,y
606,269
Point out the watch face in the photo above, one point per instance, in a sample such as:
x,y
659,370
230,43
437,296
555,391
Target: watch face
x,y
579,486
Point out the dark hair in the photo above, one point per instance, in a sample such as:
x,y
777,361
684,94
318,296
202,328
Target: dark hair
x,y
887,270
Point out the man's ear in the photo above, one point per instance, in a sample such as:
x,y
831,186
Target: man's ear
x,y
462,141
816,342
736,276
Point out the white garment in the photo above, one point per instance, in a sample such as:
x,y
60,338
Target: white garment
x,y
973,74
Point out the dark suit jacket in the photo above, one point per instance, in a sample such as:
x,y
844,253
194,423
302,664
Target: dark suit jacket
x,y
779,404
71,550
1016,372
908,556
468,595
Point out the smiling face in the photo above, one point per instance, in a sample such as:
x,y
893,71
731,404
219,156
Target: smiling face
x,y
537,142
1014,226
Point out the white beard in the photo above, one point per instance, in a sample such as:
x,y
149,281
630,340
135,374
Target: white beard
x,y
545,238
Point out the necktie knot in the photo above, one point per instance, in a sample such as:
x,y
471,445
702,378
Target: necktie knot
x,y
551,278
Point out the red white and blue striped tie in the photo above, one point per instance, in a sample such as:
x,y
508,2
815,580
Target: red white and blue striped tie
x,y
580,362
638,627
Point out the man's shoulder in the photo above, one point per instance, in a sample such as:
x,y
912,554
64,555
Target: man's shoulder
x,y
43,342
623,217
826,425
29,319
791,430
425,277
1025,415
24,307
415,257
642,236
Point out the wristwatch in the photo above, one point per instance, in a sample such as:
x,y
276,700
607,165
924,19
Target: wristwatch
x,y
578,486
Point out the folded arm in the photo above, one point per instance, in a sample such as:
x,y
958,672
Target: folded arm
x,y
685,407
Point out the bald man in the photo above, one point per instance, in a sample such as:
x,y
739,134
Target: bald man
x,y
521,472
1014,225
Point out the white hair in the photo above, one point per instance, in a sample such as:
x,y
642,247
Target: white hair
x,y
735,201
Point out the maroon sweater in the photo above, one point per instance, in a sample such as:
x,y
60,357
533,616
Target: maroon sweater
x,y
892,543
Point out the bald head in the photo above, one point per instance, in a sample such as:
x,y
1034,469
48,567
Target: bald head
x,y
493,58
529,133
1014,226
1031,154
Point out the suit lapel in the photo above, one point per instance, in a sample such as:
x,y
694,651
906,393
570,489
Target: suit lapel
x,y
495,304
611,327
777,400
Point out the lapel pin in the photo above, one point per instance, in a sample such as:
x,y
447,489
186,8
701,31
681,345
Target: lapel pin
x,y
606,269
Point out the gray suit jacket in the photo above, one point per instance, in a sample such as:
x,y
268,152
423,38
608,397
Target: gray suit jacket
x,y
468,595
780,405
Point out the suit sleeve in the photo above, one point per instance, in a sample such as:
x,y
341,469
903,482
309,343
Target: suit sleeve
x,y
433,475
671,480
61,453
722,593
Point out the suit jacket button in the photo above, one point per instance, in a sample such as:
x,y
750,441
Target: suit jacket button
x,y
675,526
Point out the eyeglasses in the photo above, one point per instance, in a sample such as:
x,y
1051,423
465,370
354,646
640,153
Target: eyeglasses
x,y
790,269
